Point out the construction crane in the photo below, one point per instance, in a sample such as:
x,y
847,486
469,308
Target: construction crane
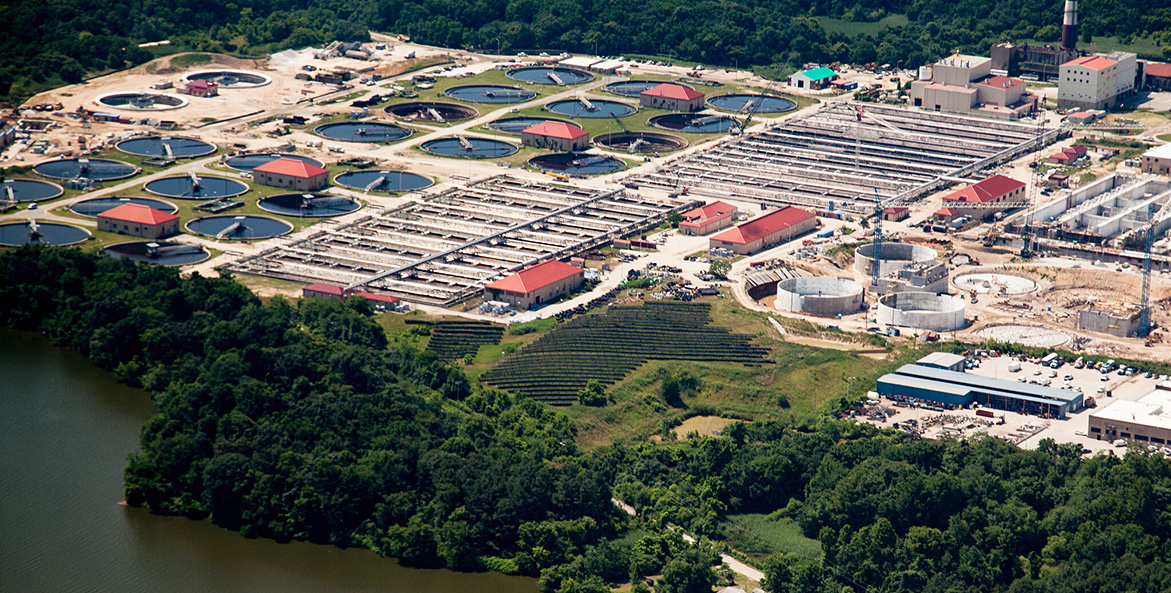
x,y
1027,227
876,250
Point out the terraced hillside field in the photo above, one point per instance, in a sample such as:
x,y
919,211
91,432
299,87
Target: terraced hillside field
x,y
453,339
610,345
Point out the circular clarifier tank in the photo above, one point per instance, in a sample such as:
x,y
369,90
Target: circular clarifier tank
x,y
96,206
142,101
362,132
470,147
41,233
694,124
308,204
577,163
166,147
387,181
28,190
230,79
239,227
984,283
439,113
248,162
1025,335
549,75
632,88
489,93
159,253
201,188
96,169
516,125
591,108
749,103
640,142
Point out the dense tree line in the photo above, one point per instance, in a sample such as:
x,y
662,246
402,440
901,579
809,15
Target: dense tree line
x,y
48,43
299,421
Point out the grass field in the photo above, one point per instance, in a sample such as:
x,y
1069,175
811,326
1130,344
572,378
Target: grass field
x,y
758,536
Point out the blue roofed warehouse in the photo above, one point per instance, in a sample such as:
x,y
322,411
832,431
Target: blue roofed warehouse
x,y
956,389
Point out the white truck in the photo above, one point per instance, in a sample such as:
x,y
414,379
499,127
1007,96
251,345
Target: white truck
x,y
1014,366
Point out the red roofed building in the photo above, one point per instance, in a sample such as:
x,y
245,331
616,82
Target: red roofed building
x,y
202,88
556,135
291,173
541,283
945,215
708,218
993,190
381,302
1159,76
138,220
896,213
1068,155
323,291
766,231
674,97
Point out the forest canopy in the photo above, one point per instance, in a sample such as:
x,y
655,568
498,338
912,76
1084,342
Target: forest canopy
x,y
301,421
60,41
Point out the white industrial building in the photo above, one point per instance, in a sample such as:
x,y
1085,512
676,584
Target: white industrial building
x,y
1096,82
965,84
1109,210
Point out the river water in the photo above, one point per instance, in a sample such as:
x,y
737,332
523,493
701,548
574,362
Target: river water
x,y
65,429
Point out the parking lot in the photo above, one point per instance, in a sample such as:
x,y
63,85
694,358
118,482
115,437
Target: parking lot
x,y
1027,431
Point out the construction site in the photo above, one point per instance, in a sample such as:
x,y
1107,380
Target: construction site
x,y
846,156
443,248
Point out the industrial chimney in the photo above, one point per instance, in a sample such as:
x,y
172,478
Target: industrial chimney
x,y
1069,26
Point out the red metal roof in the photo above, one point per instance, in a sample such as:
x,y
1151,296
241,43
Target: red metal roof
x,y
764,226
673,91
946,212
377,297
987,190
1091,62
1159,70
138,213
536,277
556,129
895,210
325,289
708,211
292,168
1001,82
201,84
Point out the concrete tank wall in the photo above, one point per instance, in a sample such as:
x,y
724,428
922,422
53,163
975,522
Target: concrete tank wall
x,y
921,310
819,296
895,256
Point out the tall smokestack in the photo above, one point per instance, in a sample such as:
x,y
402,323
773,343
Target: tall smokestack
x,y
1069,26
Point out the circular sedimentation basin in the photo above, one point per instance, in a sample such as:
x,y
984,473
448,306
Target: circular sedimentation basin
x,y
208,188
595,108
41,233
516,125
995,283
750,103
386,181
362,132
230,79
550,75
95,206
694,124
141,101
632,88
96,169
435,112
1025,335
640,142
576,163
311,205
229,227
159,253
29,190
470,147
488,93
248,162
163,146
